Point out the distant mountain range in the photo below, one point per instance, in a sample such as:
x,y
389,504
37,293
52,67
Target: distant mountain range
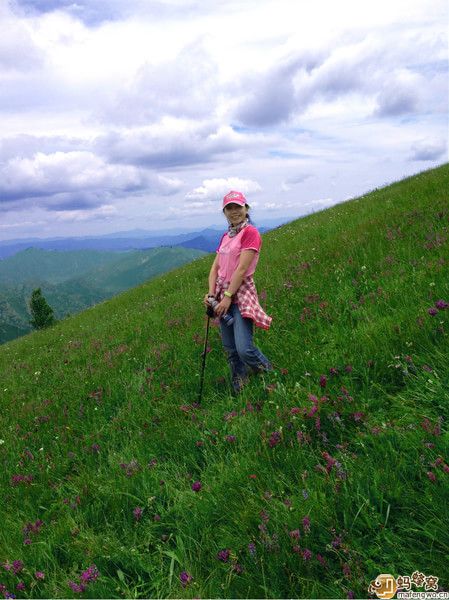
x,y
72,281
76,273
205,239
111,243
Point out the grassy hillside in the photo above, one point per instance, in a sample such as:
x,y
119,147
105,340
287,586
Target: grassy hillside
x,y
315,480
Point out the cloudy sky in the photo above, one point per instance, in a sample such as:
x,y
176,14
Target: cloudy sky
x,y
124,114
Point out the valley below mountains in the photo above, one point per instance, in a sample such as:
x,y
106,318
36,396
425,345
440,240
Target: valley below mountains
x,y
72,281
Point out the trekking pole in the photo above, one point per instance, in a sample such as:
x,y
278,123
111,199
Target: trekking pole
x,y
204,357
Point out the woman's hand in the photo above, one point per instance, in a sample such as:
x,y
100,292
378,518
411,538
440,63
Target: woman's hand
x,y
206,300
223,306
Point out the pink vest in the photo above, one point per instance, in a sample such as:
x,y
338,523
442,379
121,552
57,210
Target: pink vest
x,y
229,251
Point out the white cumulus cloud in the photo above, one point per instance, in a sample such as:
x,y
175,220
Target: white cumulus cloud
x,y
213,190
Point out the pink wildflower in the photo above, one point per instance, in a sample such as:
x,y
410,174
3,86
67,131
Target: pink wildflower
x,y
306,524
295,534
306,554
321,559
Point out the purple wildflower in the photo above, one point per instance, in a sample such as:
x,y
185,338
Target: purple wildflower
x,y
33,527
329,460
78,588
29,454
323,381
432,311
262,527
336,542
306,524
231,438
264,516
252,549
306,554
441,304
90,574
17,479
137,512
358,416
39,575
223,555
299,436
196,486
130,469
295,534
275,439
313,410
185,578
230,415
321,559
17,566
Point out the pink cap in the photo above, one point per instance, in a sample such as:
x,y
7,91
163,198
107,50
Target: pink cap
x,y
235,197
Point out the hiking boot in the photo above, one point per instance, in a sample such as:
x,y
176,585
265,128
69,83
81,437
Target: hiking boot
x,y
262,369
237,384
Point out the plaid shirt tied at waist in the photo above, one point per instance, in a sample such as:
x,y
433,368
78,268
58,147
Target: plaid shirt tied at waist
x,y
247,300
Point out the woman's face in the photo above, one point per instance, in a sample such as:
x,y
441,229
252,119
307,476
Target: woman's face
x,y
235,213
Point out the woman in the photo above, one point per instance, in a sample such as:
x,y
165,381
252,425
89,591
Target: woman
x,y
231,284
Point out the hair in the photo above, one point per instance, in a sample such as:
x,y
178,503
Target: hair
x,y
248,216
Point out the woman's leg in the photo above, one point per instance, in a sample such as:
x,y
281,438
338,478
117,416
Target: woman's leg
x,y
249,354
238,368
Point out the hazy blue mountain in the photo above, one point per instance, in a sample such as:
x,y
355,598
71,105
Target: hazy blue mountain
x,y
130,240
209,241
106,243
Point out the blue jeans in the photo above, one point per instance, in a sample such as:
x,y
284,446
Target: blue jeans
x,y
237,340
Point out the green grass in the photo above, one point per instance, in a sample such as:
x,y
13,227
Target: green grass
x,y
349,290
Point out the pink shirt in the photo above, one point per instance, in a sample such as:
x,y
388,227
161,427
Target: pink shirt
x,y
229,250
